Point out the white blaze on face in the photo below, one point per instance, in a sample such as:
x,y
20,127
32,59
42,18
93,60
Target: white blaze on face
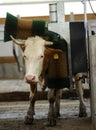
x,y
33,56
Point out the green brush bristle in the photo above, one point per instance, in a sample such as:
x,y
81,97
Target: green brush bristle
x,y
10,27
38,27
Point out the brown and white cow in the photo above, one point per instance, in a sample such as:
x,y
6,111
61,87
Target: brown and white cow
x,y
36,56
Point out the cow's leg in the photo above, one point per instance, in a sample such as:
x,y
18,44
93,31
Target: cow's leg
x,y
51,112
57,102
30,113
80,91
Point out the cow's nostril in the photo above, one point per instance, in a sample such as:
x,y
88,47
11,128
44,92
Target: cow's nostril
x,y
33,77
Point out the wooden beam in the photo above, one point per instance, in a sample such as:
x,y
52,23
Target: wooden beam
x,y
9,59
47,18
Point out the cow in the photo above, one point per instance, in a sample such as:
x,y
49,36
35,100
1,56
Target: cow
x,y
37,57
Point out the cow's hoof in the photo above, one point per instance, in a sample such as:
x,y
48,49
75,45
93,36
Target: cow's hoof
x,y
28,121
51,123
83,114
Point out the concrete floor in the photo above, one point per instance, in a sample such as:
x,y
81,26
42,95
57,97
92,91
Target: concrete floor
x,y
68,108
13,113
12,116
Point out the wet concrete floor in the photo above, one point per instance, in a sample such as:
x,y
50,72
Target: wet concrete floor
x,y
12,116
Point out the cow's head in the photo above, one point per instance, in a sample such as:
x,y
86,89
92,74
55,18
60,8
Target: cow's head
x,y
33,50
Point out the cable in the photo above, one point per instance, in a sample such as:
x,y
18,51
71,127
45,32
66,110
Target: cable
x,y
91,7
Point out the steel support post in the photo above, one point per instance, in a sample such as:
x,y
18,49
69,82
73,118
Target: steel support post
x,y
92,52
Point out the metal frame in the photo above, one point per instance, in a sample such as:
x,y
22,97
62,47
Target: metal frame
x,y
39,1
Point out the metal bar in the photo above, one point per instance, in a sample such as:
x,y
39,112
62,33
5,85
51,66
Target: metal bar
x,y
36,1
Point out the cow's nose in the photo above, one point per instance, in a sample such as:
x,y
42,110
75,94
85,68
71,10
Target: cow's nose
x,y
30,78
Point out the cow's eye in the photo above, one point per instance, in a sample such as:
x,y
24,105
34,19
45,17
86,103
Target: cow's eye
x,y
25,57
41,56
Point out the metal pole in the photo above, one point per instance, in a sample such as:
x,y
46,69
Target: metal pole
x,y
92,47
85,12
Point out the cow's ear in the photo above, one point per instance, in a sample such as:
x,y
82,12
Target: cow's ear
x,y
20,43
48,43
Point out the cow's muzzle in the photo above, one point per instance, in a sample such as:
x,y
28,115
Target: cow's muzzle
x,y
30,79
